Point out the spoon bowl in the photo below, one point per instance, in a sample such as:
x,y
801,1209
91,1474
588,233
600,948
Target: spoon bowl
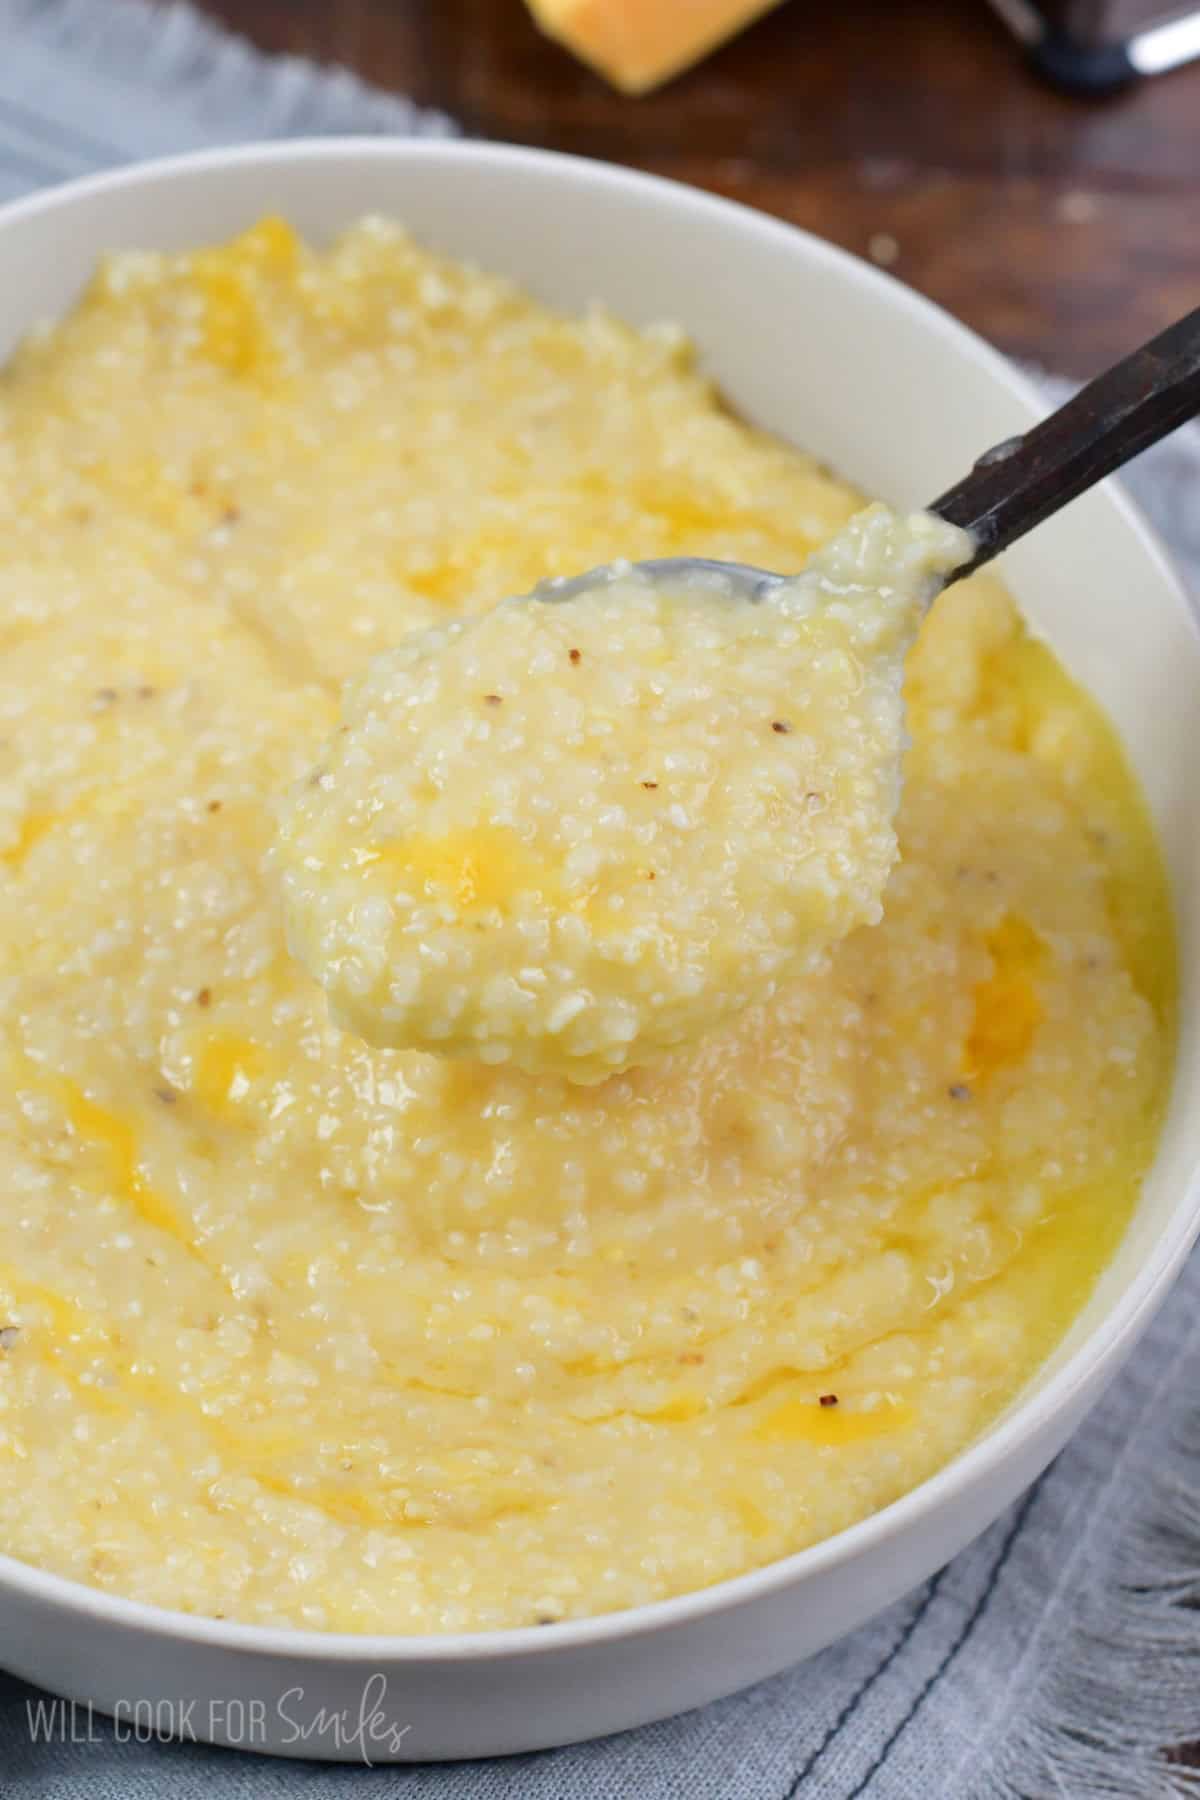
x,y
733,580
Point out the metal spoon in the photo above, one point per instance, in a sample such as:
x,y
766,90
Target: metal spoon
x,y
1016,484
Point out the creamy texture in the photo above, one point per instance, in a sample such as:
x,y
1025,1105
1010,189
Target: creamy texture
x,y
573,834
298,1331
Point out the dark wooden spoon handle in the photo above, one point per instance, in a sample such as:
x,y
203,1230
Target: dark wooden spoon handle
x,y
1015,486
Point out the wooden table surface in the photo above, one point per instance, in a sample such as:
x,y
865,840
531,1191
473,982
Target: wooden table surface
x,y
1063,230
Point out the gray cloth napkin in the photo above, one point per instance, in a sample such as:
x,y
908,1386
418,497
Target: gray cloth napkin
x,y
1055,1656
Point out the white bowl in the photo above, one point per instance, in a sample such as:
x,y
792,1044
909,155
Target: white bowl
x,y
827,351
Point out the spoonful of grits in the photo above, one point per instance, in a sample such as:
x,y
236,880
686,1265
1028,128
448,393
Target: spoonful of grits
x,y
585,827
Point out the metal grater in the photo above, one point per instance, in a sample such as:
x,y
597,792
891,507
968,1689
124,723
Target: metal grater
x,y
1095,47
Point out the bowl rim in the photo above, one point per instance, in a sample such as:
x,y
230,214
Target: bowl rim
x,y
1099,1352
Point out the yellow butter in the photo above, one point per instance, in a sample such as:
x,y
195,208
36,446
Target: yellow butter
x,y
228,1069
477,868
639,44
811,1422
99,1128
1007,1008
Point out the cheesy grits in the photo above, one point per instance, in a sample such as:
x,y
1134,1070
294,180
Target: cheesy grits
x,y
574,833
294,1330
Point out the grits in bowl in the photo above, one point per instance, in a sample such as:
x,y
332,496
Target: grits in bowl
x,y
300,1331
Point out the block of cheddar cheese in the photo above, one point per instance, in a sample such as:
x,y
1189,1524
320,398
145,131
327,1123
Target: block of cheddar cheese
x,y
639,44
